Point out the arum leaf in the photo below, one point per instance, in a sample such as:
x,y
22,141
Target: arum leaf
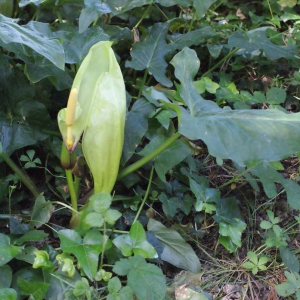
x,y
176,251
256,39
7,251
86,250
13,33
150,54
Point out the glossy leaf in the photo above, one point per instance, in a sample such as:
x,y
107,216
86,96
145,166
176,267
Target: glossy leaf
x,y
142,277
13,33
8,294
135,127
135,242
41,212
35,290
7,251
150,54
176,251
256,39
86,250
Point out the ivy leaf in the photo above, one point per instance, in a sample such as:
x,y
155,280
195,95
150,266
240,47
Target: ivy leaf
x,y
7,251
142,277
150,54
41,213
170,205
36,290
135,242
176,251
135,127
256,39
86,250
31,236
233,232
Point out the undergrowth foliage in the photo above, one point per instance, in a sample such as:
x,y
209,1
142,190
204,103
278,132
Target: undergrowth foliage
x,y
211,107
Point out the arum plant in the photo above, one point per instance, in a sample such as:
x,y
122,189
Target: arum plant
x,y
96,108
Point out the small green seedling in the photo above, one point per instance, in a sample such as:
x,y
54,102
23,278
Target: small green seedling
x,y
255,264
30,162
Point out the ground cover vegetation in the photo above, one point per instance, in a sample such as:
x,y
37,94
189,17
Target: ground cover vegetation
x,y
198,199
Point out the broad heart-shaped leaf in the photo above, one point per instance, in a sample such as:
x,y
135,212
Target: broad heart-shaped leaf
x,y
227,210
176,251
232,231
170,205
187,64
7,251
150,54
202,6
244,136
86,250
146,280
41,212
135,127
135,242
36,290
30,37
256,39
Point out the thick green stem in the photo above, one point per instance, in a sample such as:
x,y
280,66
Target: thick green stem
x,y
72,192
30,185
149,157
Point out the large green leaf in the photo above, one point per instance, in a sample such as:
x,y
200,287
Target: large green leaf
x,y
146,280
76,45
176,251
30,37
8,294
36,290
241,135
135,242
256,39
7,251
150,54
86,250
41,212
135,127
